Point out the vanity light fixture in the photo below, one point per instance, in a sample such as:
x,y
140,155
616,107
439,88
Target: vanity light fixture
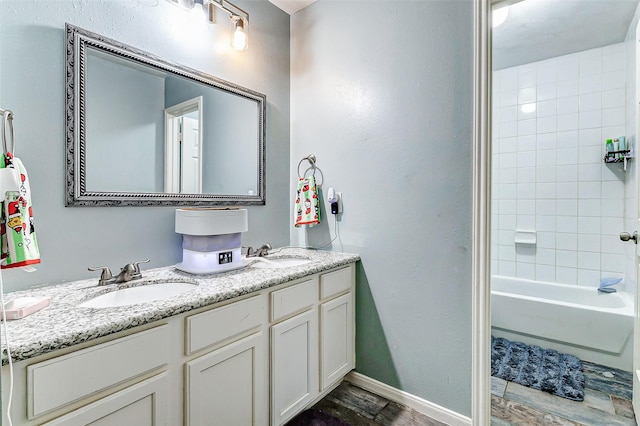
x,y
239,17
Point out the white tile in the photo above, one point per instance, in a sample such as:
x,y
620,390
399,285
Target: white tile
x,y
611,244
545,223
546,141
526,76
612,226
589,190
526,174
612,208
527,206
613,190
507,175
546,124
527,127
508,113
506,237
568,67
590,137
494,267
568,139
589,225
508,191
526,221
508,129
590,101
527,111
508,144
545,190
612,262
568,122
564,88
590,155
526,159
566,275
508,97
613,116
506,221
588,278
567,190
546,174
567,207
525,253
567,224
592,83
526,143
613,80
509,79
548,240
590,119
589,260
589,242
567,173
590,62
508,206
526,270
589,207
611,172
612,131
546,157
545,273
546,91
508,269
507,253
589,172
526,190
614,57
567,156
568,105
613,98
546,207
545,256
546,71
566,241
546,108
527,95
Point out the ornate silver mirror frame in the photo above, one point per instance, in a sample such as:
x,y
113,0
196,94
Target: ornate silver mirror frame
x,y
78,41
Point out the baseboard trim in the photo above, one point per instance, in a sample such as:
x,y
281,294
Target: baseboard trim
x,y
430,409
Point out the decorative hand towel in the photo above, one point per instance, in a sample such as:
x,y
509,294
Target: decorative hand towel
x,y
307,207
17,233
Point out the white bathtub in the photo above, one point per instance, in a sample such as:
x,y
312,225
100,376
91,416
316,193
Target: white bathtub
x,y
577,320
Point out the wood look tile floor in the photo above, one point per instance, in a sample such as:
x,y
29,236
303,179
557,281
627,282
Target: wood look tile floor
x,y
607,402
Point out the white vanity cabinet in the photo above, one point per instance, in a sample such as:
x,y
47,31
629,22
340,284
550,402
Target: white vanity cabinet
x,y
258,360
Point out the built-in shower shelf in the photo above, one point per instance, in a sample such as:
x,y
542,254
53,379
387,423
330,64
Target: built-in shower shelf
x,y
618,157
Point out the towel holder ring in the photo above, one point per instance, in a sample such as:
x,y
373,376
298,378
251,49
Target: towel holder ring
x,y
7,117
312,161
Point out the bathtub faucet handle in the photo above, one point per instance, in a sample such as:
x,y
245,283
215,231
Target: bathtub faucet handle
x,y
625,236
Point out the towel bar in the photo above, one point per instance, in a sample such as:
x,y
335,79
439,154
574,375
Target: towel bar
x,y
312,160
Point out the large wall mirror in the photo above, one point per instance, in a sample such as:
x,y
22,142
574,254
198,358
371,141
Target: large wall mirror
x,y
142,131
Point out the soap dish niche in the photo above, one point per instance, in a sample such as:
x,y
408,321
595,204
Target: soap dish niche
x,y
525,237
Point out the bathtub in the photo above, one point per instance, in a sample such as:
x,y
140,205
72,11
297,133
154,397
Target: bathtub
x,y
577,320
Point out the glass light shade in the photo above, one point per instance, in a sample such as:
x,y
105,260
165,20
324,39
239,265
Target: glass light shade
x,y
240,39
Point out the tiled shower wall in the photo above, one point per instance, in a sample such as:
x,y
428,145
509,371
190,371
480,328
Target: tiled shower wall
x,y
550,122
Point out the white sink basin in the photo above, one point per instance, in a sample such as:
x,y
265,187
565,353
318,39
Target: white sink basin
x,y
140,294
278,262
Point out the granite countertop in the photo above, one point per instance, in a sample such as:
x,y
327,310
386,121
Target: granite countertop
x,y
63,323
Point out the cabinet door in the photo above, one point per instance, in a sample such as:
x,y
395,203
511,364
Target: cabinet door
x,y
294,365
142,404
227,386
337,342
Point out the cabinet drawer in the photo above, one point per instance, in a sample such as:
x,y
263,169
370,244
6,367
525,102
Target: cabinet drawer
x,y
217,325
336,282
293,299
59,381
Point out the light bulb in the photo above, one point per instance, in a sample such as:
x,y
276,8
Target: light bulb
x,y
239,41
500,15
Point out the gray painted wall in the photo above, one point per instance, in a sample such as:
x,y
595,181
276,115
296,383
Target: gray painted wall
x,y
382,94
126,149
32,85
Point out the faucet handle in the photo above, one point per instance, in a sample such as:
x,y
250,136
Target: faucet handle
x,y
136,265
104,276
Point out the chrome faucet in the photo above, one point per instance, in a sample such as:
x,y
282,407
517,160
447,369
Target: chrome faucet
x,y
130,271
263,250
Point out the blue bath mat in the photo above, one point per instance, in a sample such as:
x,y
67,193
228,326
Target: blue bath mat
x,y
532,366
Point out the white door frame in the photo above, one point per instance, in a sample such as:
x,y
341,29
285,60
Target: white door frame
x,y
481,292
171,135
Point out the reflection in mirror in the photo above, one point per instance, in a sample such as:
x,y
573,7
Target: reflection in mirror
x,y
142,131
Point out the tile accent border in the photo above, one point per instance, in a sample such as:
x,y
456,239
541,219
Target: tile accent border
x,y
401,397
